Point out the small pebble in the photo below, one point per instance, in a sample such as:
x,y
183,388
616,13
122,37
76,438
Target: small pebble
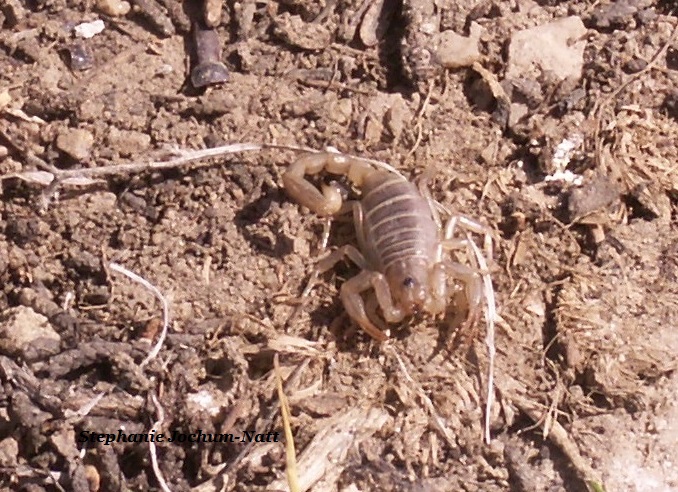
x,y
341,110
76,143
212,12
163,70
9,450
88,30
634,65
114,8
128,142
456,51
555,48
23,332
397,117
373,131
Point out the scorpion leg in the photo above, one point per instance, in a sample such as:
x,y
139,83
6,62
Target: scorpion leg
x,y
355,306
470,277
473,288
352,253
349,251
328,201
468,225
438,293
371,305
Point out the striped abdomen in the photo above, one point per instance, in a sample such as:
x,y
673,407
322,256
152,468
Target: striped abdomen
x,y
397,221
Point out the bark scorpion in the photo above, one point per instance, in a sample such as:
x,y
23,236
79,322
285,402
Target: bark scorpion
x,y
404,252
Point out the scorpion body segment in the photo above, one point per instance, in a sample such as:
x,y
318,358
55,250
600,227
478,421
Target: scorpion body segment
x,y
396,220
400,244
400,237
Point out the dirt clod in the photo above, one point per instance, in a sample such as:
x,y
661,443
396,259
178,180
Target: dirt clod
x,y
597,193
128,142
27,334
620,13
293,30
75,142
456,51
114,8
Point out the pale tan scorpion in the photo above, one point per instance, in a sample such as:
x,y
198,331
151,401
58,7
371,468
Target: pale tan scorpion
x,y
402,247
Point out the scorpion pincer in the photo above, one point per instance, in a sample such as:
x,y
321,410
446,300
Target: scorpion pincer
x,y
403,253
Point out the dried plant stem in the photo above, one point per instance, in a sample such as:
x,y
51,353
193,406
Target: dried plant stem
x,y
165,308
290,453
49,175
152,447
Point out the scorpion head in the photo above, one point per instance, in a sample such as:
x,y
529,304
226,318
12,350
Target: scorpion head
x,y
412,294
409,283
418,286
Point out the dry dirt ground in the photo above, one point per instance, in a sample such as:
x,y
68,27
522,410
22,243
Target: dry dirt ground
x,y
585,264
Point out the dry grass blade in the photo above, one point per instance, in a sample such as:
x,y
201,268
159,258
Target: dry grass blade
x,y
283,343
151,355
290,453
249,452
165,309
86,408
490,310
490,316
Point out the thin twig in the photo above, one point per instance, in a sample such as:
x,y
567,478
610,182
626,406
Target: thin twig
x,y
151,444
165,308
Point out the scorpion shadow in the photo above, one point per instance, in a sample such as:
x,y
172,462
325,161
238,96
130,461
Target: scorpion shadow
x,y
251,222
455,335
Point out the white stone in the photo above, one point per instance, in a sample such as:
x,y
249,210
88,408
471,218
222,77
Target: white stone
x,y
556,48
